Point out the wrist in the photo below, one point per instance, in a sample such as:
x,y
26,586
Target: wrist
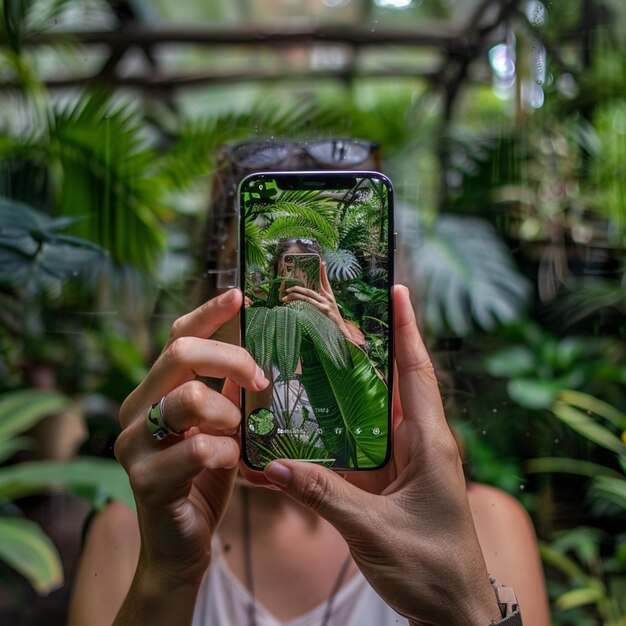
x,y
499,607
149,599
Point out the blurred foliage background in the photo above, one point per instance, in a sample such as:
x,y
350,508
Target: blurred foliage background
x,y
502,124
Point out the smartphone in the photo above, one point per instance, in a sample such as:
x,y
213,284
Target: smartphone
x,y
316,265
300,269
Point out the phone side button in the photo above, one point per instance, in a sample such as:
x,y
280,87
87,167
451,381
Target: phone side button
x,y
395,242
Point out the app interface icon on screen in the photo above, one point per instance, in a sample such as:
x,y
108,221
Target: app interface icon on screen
x,y
316,276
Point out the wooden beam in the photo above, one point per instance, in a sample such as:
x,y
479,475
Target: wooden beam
x,y
440,36
156,81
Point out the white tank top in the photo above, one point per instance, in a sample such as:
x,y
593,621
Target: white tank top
x,y
224,601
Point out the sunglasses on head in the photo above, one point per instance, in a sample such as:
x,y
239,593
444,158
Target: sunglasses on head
x,y
331,152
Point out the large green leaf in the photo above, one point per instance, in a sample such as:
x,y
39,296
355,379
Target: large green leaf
x,y
580,597
610,488
569,466
562,562
19,410
586,426
534,393
511,362
34,253
350,404
466,274
26,548
342,265
81,475
595,405
14,445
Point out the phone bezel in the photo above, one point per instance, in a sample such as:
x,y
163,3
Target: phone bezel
x,y
322,179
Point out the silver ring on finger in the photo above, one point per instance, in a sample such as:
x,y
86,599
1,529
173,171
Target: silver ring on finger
x,y
157,425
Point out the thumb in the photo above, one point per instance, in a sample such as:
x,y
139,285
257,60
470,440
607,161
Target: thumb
x,y
321,490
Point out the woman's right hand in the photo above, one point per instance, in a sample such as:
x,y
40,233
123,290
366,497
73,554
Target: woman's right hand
x,y
182,485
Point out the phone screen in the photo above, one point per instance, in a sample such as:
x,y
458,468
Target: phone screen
x,y
316,270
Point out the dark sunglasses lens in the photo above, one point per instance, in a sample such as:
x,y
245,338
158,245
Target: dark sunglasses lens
x,y
260,154
340,151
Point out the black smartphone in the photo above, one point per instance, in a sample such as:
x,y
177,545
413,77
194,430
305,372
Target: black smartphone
x,y
316,262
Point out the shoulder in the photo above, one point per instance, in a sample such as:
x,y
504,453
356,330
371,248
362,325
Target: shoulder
x,y
107,565
488,502
116,524
509,545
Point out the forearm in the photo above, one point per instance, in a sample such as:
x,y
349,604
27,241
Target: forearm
x,y
155,602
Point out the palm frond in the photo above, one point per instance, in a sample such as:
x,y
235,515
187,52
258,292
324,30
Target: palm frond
x,y
273,336
322,332
352,230
292,215
107,172
313,199
287,337
289,446
255,249
260,329
292,227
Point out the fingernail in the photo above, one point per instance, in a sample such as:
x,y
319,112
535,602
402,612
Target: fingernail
x,y
228,297
278,474
260,380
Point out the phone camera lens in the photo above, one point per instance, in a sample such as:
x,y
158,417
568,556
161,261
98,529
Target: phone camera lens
x,y
288,260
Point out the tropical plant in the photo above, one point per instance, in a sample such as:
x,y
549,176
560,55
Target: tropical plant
x,y
464,272
538,365
593,562
340,381
294,446
595,584
35,254
293,214
23,545
605,426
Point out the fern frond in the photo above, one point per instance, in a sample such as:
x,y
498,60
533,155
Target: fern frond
x,y
323,333
255,250
287,337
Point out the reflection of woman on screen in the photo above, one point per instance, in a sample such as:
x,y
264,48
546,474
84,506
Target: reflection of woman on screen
x,y
316,292
299,274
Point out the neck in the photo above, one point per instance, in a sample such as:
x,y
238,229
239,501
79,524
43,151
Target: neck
x,y
300,550
270,507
